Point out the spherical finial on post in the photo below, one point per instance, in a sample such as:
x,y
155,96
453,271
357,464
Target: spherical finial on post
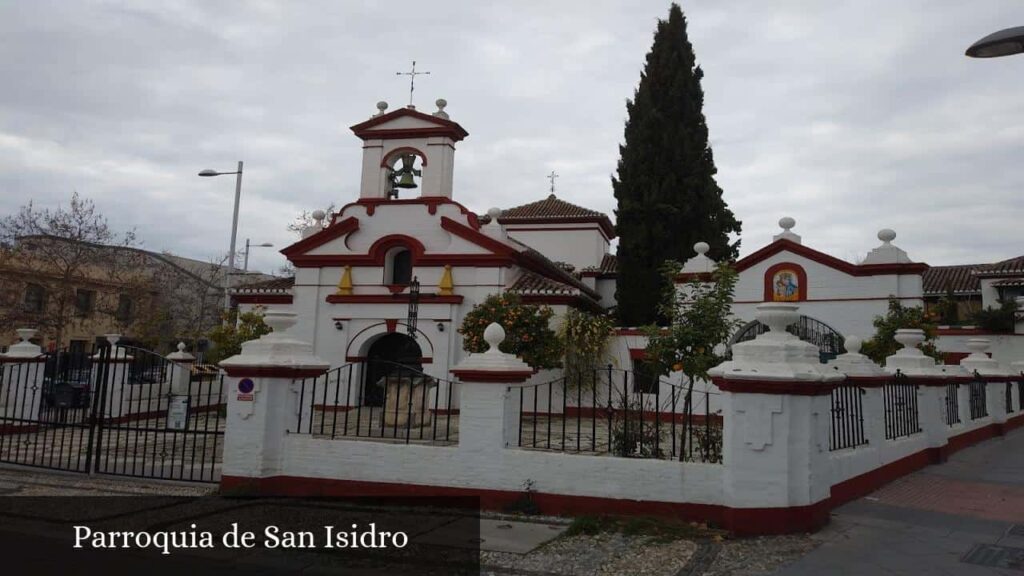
x,y
787,223
441,103
494,335
886,235
181,347
494,214
852,344
318,216
701,248
381,107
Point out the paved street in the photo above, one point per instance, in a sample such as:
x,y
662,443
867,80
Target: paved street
x,y
955,518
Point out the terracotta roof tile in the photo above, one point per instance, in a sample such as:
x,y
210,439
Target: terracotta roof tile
x,y
533,283
554,210
1008,267
938,280
1009,282
609,266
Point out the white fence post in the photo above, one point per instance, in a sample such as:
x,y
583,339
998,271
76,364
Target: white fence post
x,y
488,413
261,403
776,405
21,387
994,374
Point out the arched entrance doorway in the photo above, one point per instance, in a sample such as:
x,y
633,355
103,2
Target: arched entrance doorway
x,y
389,354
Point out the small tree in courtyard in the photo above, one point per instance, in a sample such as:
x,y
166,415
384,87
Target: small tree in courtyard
x,y
527,330
227,339
701,323
883,344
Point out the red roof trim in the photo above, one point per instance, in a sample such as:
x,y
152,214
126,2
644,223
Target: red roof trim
x,y
431,202
336,230
443,127
783,244
263,298
391,299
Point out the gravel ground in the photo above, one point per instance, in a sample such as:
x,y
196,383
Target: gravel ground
x,y
604,554
758,555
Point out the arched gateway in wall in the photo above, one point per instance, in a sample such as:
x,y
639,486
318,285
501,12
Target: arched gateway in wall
x,y
828,340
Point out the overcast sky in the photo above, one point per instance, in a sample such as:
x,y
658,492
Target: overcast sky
x,y
848,116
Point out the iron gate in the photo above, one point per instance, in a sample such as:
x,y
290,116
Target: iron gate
x,y
123,411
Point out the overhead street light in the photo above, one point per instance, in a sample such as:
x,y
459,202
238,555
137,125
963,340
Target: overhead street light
x,y
234,229
1003,43
245,266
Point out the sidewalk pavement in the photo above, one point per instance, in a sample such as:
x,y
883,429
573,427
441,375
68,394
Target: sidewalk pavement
x,y
965,516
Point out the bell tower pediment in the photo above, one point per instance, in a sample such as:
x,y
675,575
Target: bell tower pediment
x,y
406,149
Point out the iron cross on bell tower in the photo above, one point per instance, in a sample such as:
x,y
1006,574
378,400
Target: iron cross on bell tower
x,y
412,74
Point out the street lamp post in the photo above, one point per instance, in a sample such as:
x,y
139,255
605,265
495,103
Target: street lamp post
x,y
234,229
1003,43
245,265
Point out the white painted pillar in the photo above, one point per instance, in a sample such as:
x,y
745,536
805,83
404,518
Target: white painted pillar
x,y
870,377
261,401
776,405
182,399
21,384
116,392
488,413
995,374
931,380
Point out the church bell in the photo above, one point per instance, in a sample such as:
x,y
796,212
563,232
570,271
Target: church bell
x,y
406,172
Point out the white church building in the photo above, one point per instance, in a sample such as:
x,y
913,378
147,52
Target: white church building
x,y
391,277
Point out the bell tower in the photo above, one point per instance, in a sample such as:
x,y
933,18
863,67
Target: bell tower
x,y
407,153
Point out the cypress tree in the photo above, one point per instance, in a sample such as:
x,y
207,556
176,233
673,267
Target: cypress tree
x,y
666,191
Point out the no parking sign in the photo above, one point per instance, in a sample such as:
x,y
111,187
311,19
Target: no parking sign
x,y
245,388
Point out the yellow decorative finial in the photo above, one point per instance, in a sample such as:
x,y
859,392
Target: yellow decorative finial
x,y
446,286
345,284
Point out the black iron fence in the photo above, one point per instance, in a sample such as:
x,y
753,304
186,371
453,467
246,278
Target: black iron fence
x,y
118,411
620,413
978,397
1020,393
899,398
1008,399
952,404
847,417
378,399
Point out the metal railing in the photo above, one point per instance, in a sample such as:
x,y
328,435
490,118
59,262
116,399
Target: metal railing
x,y
952,404
609,411
378,399
899,398
978,395
847,417
1008,400
1020,393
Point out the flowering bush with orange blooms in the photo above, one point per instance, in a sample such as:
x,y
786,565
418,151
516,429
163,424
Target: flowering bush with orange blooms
x,y
527,331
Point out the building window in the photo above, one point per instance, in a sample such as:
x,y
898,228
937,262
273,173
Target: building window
x,y
645,377
125,308
399,268
84,301
35,298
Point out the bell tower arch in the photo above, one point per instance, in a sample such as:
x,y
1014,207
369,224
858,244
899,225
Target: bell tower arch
x,y
408,152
